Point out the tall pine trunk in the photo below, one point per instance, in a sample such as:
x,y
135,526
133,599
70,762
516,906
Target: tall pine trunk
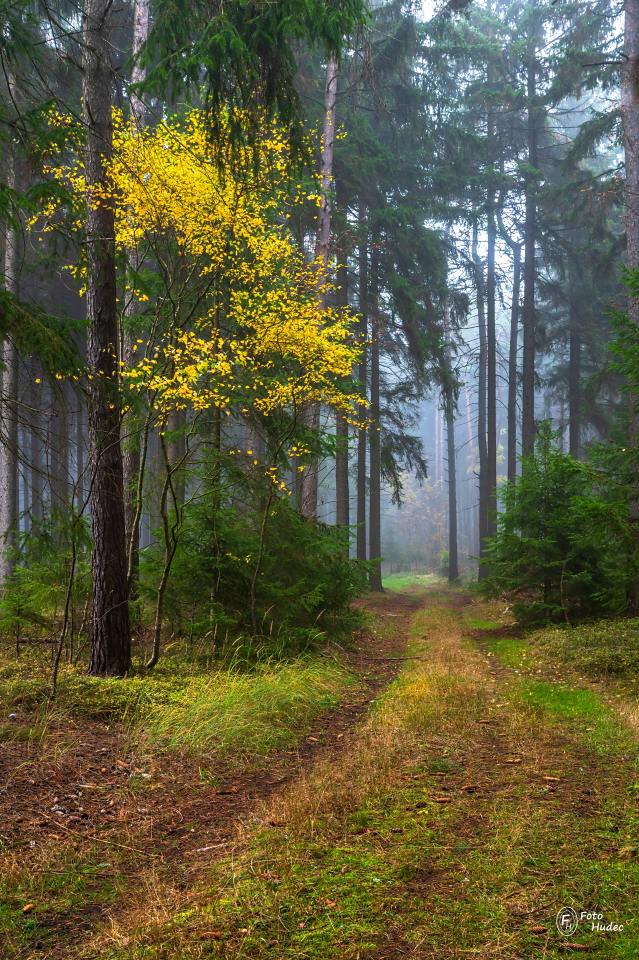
x,y
110,633
375,506
574,384
481,394
491,372
9,411
530,242
59,449
36,447
342,493
630,114
309,484
362,376
513,349
449,412
131,422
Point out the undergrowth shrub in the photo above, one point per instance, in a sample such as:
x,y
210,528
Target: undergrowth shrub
x,y
256,576
563,548
603,648
33,598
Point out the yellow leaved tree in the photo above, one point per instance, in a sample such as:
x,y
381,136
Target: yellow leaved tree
x,y
234,317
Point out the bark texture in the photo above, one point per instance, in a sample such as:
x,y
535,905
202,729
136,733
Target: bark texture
x,y
132,425
342,493
481,394
630,115
9,408
513,365
530,242
109,634
309,484
574,386
449,413
362,376
491,372
375,517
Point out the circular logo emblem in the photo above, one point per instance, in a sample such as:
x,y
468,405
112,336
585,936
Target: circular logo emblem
x,y
567,921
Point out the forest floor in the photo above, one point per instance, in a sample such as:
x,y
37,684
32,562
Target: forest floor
x,y
459,792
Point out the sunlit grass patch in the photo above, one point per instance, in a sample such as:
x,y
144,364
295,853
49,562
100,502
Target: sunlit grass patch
x,y
584,712
249,713
511,651
406,581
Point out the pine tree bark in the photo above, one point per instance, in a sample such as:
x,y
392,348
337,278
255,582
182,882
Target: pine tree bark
x,y
513,349
375,512
491,372
530,242
309,484
9,411
481,395
110,633
574,385
362,376
59,450
449,412
342,493
630,115
131,423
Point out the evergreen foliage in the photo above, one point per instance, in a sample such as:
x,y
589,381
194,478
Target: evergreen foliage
x,y
563,550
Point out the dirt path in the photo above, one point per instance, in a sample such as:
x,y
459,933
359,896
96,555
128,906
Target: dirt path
x,y
132,821
469,807
450,815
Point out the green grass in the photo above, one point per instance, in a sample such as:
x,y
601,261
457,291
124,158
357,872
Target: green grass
x,y
407,581
182,704
383,864
581,712
255,713
511,651
61,886
237,716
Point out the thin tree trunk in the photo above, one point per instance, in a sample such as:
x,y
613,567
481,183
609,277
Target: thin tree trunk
x,y
342,494
530,242
176,450
79,449
132,422
59,450
481,395
449,412
630,115
362,376
9,411
36,466
491,372
110,633
309,483
574,386
438,447
375,505
512,364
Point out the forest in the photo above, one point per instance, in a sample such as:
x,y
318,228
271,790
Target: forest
x,y
319,479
